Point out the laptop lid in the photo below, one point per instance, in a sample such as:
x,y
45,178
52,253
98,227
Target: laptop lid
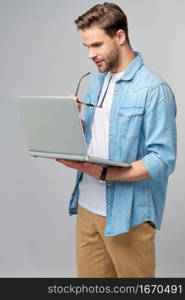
x,y
52,124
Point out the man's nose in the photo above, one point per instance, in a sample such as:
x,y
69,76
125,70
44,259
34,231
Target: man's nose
x,y
92,53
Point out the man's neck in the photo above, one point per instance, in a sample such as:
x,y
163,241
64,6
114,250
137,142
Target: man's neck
x,y
125,58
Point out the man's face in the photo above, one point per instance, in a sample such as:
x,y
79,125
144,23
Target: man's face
x,y
103,49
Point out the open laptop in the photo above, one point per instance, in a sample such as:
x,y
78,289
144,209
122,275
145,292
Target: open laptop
x,y
53,129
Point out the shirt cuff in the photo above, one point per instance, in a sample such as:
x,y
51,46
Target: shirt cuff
x,y
155,166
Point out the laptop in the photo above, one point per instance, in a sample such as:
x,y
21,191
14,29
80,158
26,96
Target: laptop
x,y
53,129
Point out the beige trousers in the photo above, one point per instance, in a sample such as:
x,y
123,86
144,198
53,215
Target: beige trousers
x,y
131,254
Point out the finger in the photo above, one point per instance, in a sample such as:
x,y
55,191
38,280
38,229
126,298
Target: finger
x,y
87,164
63,161
70,163
59,160
79,107
73,96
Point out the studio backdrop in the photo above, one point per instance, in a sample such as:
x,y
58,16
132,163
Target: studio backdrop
x,y
41,53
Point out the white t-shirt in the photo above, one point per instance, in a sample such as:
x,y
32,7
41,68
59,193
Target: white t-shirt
x,y
92,194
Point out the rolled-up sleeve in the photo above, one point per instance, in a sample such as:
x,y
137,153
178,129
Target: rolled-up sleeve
x,y
159,130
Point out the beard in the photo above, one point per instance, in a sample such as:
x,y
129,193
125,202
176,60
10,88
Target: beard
x,y
111,61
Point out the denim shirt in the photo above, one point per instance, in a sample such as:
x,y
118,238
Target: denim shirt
x,y
142,127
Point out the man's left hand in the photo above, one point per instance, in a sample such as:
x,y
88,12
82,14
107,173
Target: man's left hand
x,y
91,169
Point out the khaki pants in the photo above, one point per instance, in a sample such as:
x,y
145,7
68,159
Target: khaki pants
x,y
131,254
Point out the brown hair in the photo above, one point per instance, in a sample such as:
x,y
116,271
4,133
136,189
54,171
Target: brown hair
x,y
108,16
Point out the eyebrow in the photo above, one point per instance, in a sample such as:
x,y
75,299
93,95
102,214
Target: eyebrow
x,y
93,44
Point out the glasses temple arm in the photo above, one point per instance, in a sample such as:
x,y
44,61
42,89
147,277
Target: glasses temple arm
x,y
77,89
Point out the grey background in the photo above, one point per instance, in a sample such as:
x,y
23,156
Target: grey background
x,y
41,53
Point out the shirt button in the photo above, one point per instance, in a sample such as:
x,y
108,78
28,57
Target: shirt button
x,y
109,206
108,184
110,137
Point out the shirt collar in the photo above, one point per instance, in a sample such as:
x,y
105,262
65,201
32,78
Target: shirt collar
x,y
132,68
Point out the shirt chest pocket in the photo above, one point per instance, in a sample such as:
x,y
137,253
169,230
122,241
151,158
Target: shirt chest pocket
x,y
130,121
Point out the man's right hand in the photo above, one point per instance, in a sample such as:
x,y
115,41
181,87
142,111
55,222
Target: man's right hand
x,y
76,98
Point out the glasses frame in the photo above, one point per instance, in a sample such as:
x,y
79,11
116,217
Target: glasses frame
x,y
90,104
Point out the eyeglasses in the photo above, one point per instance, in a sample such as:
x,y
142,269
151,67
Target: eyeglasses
x,y
90,104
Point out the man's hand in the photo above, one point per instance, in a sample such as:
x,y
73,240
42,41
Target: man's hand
x,y
76,98
93,170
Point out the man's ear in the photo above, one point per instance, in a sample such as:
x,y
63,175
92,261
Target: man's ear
x,y
121,36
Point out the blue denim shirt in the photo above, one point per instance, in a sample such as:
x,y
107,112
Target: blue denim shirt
x,y
142,127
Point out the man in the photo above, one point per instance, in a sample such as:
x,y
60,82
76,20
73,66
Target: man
x,y
119,209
